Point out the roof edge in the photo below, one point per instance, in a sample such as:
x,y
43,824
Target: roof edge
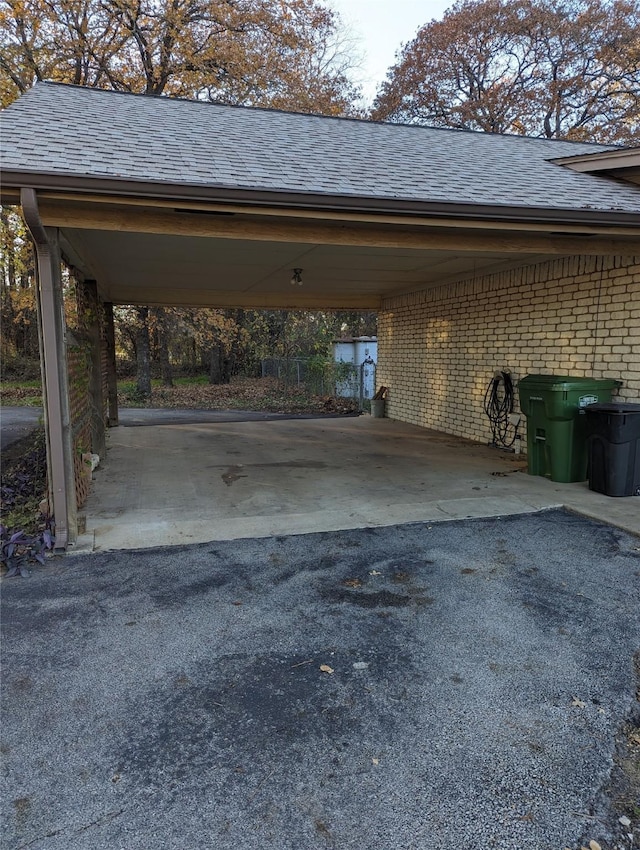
x,y
309,201
619,159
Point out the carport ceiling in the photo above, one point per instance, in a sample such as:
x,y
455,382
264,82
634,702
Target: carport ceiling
x,y
179,252
150,268
165,251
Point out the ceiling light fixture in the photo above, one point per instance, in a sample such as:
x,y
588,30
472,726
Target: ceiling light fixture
x,y
296,277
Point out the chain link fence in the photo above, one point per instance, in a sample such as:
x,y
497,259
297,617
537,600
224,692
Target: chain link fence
x,y
324,377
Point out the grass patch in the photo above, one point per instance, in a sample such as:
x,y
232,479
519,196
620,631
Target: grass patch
x,y
21,393
196,379
34,384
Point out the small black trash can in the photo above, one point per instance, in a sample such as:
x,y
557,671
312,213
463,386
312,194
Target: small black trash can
x,y
613,445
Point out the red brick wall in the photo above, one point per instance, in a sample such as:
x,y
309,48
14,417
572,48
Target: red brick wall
x,y
104,359
78,365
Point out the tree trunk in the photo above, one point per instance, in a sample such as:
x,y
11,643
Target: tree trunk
x,y
9,331
143,383
163,348
216,365
219,365
9,252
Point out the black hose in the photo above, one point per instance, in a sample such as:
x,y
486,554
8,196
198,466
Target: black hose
x,y
498,405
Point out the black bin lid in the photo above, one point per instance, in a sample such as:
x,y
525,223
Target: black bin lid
x,y
622,408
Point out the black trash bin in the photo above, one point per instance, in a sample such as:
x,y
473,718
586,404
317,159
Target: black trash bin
x,y
613,445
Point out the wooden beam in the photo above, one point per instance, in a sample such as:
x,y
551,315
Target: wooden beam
x,y
293,299
56,381
9,197
337,216
91,217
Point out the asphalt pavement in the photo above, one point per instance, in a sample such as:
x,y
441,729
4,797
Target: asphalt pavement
x,y
452,686
16,423
136,416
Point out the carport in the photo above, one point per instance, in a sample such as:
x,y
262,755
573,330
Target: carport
x,y
154,201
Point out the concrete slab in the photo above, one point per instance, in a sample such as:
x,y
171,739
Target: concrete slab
x,y
199,482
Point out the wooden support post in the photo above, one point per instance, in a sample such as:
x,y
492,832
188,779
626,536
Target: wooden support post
x,y
56,390
53,328
112,379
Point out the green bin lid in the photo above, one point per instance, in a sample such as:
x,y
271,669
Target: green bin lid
x,y
567,382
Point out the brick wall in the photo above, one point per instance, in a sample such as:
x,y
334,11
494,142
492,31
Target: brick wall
x,y
89,312
80,411
104,366
438,348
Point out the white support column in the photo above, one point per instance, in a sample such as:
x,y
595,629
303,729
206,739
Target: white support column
x,y
56,390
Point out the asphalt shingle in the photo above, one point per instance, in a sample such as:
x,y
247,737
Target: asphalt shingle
x,y
71,131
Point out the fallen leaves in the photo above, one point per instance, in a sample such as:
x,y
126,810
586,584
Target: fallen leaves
x,y
352,582
326,669
13,395
241,394
593,845
24,480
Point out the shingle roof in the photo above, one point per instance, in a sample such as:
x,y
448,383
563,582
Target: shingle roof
x,y
71,131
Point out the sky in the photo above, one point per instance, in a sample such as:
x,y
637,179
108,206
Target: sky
x,y
379,28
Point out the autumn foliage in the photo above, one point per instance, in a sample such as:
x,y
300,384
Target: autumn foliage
x,y
275,53
552,68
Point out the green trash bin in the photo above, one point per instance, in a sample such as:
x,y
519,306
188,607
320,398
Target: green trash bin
x,y
556,422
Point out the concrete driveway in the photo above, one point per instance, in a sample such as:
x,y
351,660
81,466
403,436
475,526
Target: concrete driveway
x,y
447,686
188,476
194,480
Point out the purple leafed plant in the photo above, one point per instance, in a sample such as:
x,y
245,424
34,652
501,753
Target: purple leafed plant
x,y
25,535
19,549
